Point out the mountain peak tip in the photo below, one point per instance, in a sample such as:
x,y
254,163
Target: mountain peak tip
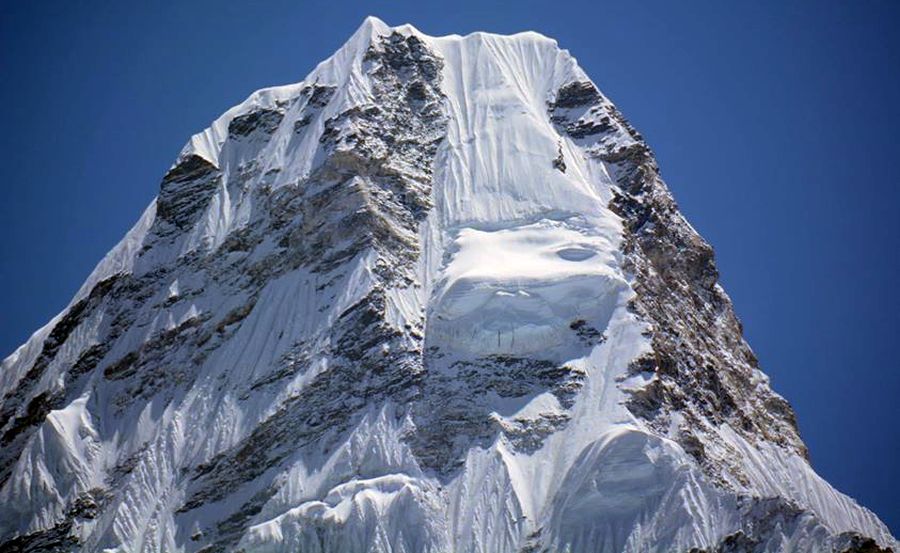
x,y
372,25
373,22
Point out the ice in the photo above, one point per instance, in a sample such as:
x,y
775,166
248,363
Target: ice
x,y
518,290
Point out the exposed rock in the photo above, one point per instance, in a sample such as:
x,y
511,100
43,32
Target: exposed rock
x,y
264,121
186,191
704,369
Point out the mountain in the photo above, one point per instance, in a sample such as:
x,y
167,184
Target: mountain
x,y
434,298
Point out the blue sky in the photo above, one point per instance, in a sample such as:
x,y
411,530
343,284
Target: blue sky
x,y
775,125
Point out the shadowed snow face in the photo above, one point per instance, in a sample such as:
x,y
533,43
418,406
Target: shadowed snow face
x,y
521,289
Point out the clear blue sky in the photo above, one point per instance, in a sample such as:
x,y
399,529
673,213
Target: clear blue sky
x,y
775,124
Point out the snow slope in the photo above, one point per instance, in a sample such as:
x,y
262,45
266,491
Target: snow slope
x,y
435,297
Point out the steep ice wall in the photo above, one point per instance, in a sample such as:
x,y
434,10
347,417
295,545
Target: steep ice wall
x,y
435,297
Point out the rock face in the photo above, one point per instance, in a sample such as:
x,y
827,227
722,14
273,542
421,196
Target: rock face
x,y
434,298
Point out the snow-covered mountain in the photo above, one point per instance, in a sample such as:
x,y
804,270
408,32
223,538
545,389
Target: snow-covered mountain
x,y
434,298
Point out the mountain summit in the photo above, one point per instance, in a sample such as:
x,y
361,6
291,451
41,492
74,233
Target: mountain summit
x,y
434,298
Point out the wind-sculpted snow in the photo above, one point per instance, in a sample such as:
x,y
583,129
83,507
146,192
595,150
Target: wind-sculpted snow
x,y
518,290
434,298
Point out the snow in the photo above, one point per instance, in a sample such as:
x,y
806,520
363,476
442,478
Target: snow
x,y
513,254
517,290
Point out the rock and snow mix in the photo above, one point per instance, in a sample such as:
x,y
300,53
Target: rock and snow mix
x,y
435,297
